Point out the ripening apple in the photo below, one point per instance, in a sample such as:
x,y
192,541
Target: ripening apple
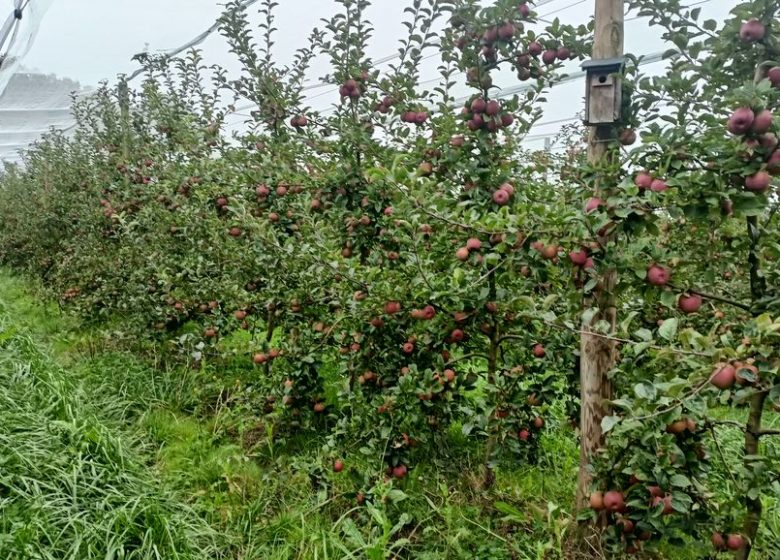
x,y
338,466
457,335
539,351
538,422
596,501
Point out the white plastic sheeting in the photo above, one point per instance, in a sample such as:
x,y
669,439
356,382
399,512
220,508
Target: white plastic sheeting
x,y
29,104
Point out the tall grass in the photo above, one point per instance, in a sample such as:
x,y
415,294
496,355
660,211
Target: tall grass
x,y
75,484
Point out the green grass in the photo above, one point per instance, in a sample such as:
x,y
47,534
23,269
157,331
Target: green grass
x,y
104,456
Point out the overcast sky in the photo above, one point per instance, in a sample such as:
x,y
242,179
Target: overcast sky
x,y
93,40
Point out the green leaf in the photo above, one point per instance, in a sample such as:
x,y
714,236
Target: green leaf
x,y
668,330
609,422
680,481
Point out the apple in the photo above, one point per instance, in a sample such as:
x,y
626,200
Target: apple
x,y
400,471
501,197
665,501
449,375
718,541
596,501
735,542
773,163
658,275
408,347
613,501
538,422
751,31
539,351
724,376
524,10
535,48
774,76
508,188
549,56
655,491
579,257
473,244
392,307
338,466
457,335
658,185
689,303
563,53
593,204
677,427
741,120
627,137
260,358
506,31
759,182
762,122
492,108
524,435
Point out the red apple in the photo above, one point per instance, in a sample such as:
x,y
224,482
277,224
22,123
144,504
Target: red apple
x,y
774,76
399,471
741,120
539,351
462,254
762,122
758,182
643,180
613,501
689,303
751,31
735,542
501,197
658,275
578,258
724,376
338,466
473,244
593,204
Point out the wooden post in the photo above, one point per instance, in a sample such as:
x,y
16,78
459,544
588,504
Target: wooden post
x,y
597,354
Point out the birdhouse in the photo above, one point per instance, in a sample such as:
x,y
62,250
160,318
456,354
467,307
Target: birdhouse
x,y
604,94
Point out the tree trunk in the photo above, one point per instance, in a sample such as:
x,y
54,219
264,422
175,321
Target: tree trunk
x,y
597,354
753,506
